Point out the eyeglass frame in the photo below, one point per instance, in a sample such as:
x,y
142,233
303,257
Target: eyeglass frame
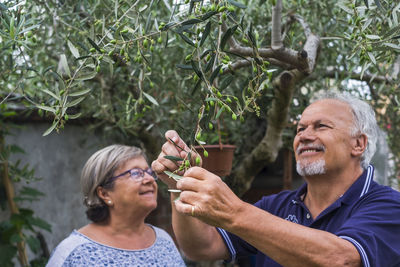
x,y
139,176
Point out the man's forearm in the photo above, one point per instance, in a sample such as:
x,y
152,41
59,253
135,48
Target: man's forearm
x,y
199,241
291,244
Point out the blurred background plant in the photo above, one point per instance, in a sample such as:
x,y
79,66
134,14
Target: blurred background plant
x,y
21,228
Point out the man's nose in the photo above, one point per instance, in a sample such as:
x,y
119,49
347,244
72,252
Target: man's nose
x,y
307,134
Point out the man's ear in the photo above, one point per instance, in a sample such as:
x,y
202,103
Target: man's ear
x,y
104,195
359,145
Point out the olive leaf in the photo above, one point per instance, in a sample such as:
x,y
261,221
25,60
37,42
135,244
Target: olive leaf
x,y
172,158
173,175
174,190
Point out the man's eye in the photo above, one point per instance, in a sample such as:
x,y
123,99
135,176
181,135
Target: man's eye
x,y
299,130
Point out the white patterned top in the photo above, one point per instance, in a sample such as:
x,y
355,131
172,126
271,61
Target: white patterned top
x,y
78,250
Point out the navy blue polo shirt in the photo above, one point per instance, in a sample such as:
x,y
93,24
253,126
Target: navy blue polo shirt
x,y
367,215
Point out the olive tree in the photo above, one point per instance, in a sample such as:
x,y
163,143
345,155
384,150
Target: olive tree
x,y
225,69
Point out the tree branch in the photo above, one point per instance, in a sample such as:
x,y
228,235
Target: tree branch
x,y
396,68
267,150
333,72
248,62
276,36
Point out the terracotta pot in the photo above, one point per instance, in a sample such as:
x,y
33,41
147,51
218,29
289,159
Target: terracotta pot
x,y
218,161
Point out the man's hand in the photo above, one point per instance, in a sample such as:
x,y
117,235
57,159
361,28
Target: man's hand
x,y
206,197
175,147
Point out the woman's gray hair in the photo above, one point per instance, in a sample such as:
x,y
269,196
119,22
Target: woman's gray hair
x,y
364,120
100,167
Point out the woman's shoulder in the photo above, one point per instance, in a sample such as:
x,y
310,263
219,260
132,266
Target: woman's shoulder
x,y
65,248
160,232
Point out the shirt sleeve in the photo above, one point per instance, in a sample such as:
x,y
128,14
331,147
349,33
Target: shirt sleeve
x,y
374,229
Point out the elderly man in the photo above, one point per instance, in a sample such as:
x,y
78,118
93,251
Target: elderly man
x,y
339,217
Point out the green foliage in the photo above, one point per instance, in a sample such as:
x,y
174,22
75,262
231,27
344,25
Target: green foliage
x,y
23,226
138,67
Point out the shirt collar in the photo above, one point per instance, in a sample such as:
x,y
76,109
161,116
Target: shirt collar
x,y
358,189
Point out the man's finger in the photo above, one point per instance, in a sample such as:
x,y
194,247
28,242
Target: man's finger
x,y
189,184
174,138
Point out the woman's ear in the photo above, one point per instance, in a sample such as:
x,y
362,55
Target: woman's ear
x,y
104,195
359,145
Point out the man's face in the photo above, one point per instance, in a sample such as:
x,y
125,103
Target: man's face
x,y
323,140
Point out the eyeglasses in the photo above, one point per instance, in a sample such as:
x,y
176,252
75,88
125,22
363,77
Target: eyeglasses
x,y
137,174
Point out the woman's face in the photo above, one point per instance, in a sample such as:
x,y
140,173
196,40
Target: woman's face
x,y
133,192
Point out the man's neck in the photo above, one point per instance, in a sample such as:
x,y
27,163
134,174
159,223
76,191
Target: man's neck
x,y
324,190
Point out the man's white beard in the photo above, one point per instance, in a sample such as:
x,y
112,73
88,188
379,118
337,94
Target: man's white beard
x,y
312,168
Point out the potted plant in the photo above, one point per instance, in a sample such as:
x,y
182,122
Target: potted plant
x,y
217,155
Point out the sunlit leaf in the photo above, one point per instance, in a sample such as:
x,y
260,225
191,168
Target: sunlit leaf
x,y
151,99
64,65
237,4
51,128
372,57
373,37
74,116
73,49
51,94
79,93
173,175
392,45
75,102
46,108
86,76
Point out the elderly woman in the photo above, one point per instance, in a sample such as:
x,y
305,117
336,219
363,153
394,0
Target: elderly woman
x,y
120,191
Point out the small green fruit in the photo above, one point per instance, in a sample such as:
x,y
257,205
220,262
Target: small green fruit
x,y
205,153
198,161
234,117
222,9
